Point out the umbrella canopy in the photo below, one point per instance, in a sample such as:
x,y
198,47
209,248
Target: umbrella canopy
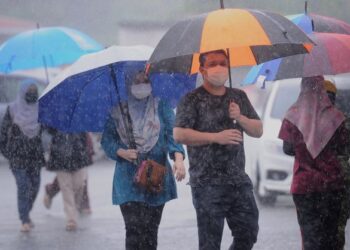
x,y
251,36
81,97
45,47
308,23
316,23
92,63
329,57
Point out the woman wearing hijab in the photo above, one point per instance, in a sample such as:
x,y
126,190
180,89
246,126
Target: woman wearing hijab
x,y
152,127
331,90
20,143
314,131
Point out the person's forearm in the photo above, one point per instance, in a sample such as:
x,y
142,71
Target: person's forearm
x,y
178,156
192,137
251,127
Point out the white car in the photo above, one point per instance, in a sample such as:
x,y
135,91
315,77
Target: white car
x,y
269,168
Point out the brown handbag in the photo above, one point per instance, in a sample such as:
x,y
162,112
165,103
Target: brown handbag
x,y
150,176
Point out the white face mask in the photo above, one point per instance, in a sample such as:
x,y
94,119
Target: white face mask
x,y
217,75
141,90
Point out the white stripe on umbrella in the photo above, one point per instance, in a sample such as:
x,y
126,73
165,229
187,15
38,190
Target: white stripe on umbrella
x,y
95,60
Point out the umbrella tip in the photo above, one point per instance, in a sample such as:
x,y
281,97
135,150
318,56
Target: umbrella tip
x,y
305,8
222,4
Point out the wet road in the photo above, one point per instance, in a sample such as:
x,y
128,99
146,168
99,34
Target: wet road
x,y
104,228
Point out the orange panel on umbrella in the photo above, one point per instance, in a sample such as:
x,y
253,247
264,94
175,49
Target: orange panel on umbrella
x,y
229,28
241,57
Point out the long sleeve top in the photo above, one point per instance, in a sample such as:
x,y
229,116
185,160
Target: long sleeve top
x,y
124,188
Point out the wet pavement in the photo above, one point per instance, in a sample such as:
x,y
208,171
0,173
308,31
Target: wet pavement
x,y
104,228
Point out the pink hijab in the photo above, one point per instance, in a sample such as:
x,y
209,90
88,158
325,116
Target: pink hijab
x,y
314,115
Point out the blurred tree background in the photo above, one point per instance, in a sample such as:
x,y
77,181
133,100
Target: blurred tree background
x,y
100,18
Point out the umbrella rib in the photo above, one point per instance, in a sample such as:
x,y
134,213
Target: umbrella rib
x,y
284,31
9,65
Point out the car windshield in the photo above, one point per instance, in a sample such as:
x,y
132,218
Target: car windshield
x,y
287,94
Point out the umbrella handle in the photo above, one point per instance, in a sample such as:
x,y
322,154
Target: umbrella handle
x,y
233,120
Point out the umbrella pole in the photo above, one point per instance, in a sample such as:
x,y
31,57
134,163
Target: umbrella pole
x,y
222,4
124,110
46,72
229,68
305,8
230,79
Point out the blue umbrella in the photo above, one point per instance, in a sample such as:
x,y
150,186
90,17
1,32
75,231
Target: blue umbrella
x,y
81,98
45,47
172,87
309,23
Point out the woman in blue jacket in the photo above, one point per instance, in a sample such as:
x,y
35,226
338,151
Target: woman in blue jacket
x,y
152,121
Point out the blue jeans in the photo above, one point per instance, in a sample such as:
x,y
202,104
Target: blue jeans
x,y
28,183
237,205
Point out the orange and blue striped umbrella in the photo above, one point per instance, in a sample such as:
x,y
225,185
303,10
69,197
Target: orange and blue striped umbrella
x,y
250,36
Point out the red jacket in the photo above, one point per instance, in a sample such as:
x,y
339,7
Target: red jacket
x,y
324,173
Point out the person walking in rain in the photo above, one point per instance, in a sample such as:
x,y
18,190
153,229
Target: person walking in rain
x,y
343,158
69,157
152,124
53,188
211,120
314,131
21,144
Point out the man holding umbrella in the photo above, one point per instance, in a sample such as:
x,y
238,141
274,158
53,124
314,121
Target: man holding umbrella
x,y
211,120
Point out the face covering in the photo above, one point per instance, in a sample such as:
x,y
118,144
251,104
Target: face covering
x,y
31,97
217,75
141,90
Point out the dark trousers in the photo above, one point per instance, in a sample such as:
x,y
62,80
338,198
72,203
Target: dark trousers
x,y
319,216
28,183
237,205
344,216
53,188
141,224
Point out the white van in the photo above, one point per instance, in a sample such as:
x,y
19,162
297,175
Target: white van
x,y
269,168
